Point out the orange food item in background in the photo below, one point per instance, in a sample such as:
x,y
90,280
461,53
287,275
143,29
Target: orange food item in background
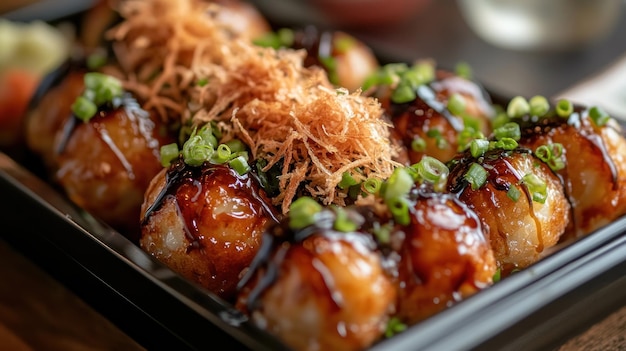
x,y
17,86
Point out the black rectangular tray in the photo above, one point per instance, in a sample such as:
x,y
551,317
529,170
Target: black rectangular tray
x,y
535,309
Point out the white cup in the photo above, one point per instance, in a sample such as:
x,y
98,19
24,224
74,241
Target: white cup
x,y
541,24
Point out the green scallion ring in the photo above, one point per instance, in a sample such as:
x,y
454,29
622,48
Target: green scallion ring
x,y
240,165
478,147
564,108
456,104
539,106
84,109
399,208
536,186
302,212
598,116
169,153
431,169
517,107
508,130
476,176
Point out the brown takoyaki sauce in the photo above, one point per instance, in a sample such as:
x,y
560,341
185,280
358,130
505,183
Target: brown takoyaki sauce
x,y
187,184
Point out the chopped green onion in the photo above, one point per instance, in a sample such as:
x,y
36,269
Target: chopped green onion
x,y
598,116
504,144
536,186
564,108
284,37
431,169
221,154
346,181
341,44
418,144
463,70
399,208
456,104
476,175
518,106
240,165
508,130
402,94
552,155
394,326
96,60
497,275
342,222
196,151
206,133
478,147
382,232
539,106
84,108
399,184
236,145
104,87
169,153
500,119
513,193
202,82
302,212
372,185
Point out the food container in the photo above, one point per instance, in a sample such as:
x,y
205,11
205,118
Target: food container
x,y
537,308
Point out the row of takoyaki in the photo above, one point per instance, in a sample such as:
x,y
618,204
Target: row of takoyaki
x,y
333,200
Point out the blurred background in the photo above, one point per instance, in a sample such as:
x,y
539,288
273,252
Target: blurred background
x,y
513,47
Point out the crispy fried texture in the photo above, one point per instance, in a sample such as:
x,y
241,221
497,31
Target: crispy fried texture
x,y
283,111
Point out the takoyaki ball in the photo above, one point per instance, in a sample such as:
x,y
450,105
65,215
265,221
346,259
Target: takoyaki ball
x,y
204,222
106,164
347,60
593,165
318,288
439,116
52,107
521,203
445,257
243,17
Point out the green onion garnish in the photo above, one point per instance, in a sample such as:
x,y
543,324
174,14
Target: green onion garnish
x,y
552,155
539,106
476,175
372,185
508,130
221,154
598,116
302,212
84,108
564,108
399,208
394,326
403,93
418,144
196,151
456,104
518,106
431,169
513,193
240,165
536,186
342,222
463,70
399,184
346,181
169,153
478,147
